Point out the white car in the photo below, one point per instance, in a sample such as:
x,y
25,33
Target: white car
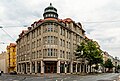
x,y
99,71
0,72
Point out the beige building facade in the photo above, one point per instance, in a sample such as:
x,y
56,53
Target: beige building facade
x,y
48,46
3,62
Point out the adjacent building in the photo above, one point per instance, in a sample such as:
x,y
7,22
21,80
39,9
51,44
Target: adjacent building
x,y
3,62
48,46
11,57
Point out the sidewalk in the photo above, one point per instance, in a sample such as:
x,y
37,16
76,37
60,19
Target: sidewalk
x,y
48,75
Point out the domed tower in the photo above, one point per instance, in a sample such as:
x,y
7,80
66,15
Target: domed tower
x,y
50,12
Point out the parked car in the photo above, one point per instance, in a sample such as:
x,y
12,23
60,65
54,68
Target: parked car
x,y
13,72
99,71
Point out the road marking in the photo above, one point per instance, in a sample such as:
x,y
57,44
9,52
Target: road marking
x,y
65,78
10,79
74,80
62,80
15,80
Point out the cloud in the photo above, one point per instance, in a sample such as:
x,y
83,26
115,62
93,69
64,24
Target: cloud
x,y
101,12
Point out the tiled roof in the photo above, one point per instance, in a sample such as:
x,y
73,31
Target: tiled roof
x,y
11,45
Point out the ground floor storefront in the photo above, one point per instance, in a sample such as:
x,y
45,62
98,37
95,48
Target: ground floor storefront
x,y
36,67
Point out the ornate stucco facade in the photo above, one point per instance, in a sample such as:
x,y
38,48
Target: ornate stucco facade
x,y
3,62
48,46
11,57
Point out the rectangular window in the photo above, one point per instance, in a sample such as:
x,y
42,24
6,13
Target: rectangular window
x,y
45,40
67,55
63,54
32,34
49,39
56,40
39,30
35,55
39,42
39,53
69,35
54,52
67,44
34,44
55,28
60,42
63,43
45,52
45,29
63,33
51,28
48,29
60,53
60,30
49,51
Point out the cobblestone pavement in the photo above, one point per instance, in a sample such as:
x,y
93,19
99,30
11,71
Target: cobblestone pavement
x,y
62,77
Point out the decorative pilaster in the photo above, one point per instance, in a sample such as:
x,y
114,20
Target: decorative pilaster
x,y
80,68
21,68
71,67
86,68
76,68
58,67
35,66
26,67
30,67
42,67
65,67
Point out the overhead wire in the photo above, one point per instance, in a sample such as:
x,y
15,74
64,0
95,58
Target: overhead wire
x,y
8,34
102,21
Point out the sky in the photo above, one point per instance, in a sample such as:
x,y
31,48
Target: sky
x,y
99,18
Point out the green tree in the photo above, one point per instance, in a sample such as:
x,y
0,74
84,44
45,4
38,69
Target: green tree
x,y
90,51
118,67
108,64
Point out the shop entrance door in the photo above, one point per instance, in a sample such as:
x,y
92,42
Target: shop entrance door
x,y
50,67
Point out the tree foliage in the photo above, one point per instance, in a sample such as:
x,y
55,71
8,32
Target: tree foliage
x,y
108,64
118,67
90,51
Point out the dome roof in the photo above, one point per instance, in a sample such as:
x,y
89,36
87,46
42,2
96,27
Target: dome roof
x,y
50,12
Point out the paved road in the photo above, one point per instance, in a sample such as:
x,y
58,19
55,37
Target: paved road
x,y
62,77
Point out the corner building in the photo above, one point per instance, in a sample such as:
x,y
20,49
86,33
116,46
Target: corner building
x,y
48,46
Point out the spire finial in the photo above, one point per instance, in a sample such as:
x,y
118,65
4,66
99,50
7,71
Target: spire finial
x,y
50,4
